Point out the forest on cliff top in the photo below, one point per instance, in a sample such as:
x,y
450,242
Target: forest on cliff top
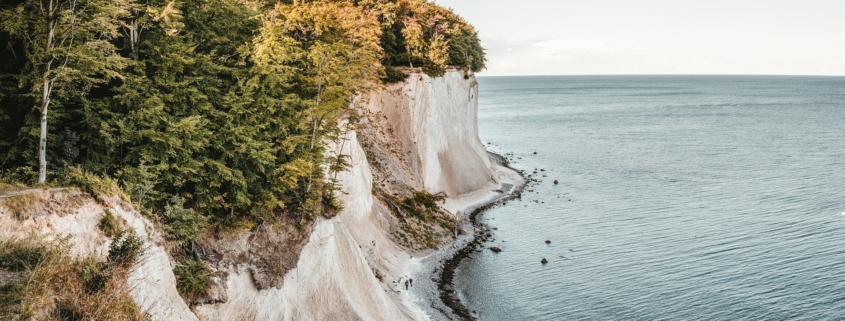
x,y
222,106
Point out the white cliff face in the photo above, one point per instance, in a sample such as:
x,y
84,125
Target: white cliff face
x,y
335,278
433,123
434,130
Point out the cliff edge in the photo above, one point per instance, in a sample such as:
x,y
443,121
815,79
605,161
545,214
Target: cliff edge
x,y
410,140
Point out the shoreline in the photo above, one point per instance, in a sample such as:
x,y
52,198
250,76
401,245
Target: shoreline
x,y
448,294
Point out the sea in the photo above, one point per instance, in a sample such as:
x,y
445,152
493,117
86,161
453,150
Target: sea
x,y
678,198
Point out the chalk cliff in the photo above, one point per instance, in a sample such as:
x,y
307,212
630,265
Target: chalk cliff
x,y
420,134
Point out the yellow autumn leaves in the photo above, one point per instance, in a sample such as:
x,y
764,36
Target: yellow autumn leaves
x,y
350,32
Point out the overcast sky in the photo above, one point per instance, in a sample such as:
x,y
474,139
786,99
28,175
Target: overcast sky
x,y
586,37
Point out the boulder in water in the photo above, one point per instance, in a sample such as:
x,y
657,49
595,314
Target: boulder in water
x,y
544,261
495,249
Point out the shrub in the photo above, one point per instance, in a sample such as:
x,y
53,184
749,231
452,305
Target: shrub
x,y
56,286
91,183
193,279
18,177
125,250
422,222
184,225
11,186
422,204
95,275
393,75
108,224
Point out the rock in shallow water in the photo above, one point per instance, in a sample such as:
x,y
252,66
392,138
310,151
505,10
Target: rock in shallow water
x,y
495,249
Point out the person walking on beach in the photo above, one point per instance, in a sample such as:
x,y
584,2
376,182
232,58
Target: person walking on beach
x,y
412,281
406,284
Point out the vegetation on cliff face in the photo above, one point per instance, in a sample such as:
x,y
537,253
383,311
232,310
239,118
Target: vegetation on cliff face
x,y
39,280
423,223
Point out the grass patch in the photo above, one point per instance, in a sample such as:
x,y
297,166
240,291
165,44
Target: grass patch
x,y
7,187
20,255
19,204
56,286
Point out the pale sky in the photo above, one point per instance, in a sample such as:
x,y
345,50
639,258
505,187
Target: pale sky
x,y
588,37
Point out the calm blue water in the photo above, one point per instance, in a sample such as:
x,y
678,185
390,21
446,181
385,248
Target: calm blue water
x,y
680,198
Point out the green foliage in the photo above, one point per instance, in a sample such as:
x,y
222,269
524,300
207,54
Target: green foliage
x,y
420,33
91,183
393,75
108,224
228,105
125,250
193,279
184,225
19,176
95,275
68,50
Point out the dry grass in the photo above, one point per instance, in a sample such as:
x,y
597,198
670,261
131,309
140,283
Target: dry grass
x,y
21,204
36,202
8,187
58,287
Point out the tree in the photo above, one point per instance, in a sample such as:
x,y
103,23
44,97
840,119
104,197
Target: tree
x,y
319,55
421,32
67,44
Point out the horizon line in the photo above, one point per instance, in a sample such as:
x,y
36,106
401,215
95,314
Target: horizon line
x,y
480,74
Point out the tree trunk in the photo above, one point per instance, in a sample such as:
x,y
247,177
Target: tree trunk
x,y
134,35
42,144
45,97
